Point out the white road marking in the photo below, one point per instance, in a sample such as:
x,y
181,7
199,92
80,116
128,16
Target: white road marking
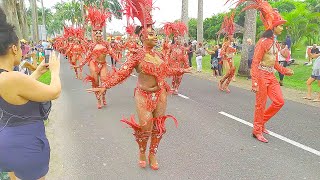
x,y
133,75
299,145
183,96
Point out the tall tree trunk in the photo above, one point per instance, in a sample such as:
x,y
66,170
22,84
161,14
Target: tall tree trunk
x,y
34,13
22,14
249,33
200,21
185,16
10,8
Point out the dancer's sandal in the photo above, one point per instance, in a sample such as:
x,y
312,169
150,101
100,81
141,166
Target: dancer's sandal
x,y
260,137
99,106
142,163
153,166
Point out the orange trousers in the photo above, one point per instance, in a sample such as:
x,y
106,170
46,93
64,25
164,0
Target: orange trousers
x,y
268,87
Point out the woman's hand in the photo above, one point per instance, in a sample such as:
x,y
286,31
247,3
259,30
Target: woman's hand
x,y
42,68
188,70
290,72
255,88
99,90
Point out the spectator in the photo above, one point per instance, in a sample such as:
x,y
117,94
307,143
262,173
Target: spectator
x,y
313,54
214,60
190,53
315,76
284,57
219,60
288,42
25,150
250,55
200,52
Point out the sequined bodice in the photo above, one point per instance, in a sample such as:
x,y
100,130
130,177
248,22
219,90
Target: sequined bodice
x,y
154,66
270,57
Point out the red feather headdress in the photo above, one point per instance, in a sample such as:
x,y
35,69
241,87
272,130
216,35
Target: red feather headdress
x,y
130,29
141,9
269,16
228,25
97,17
68,32
175,29
79,32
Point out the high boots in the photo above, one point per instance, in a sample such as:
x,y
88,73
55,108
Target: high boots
x,y
156,137
141,137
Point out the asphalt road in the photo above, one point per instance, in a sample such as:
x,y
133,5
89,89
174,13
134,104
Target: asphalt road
x,y
92,144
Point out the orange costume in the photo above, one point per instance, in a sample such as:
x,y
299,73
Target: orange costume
x,y
265,62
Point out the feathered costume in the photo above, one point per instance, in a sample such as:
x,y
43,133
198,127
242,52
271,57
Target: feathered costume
x,y
150,101
176,53
97,51
76,50
265,61
227,52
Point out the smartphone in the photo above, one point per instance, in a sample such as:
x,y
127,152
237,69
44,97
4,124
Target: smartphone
x,y
47,54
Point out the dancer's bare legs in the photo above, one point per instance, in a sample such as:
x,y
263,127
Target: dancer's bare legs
x,y
156,137
146,124
95,76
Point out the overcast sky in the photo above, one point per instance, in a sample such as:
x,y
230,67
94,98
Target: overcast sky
x,y
169,10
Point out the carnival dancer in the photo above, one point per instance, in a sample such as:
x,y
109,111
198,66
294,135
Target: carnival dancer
x,y
69,37
177,54
98,51
151,90
77,50
227,53
264,82
131,44
116,51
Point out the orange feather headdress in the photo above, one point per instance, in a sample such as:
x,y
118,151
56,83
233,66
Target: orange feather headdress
x,y
269,16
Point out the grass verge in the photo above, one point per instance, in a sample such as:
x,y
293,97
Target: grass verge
x,y
297,81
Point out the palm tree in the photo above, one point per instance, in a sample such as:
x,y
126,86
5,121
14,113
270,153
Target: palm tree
x,y
200,21
249,33
22,15
34,13
184,14
10,8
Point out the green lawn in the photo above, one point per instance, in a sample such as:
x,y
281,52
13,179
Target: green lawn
x,y
45,78
297,81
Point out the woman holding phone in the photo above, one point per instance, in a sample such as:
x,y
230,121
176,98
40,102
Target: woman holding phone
x,y
24,148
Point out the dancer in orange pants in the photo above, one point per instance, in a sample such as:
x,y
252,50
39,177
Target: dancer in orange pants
x,y
265,62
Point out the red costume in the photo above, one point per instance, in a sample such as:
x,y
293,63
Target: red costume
x,y
76,50
96,57
153,69
265,62
227,53
176,54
